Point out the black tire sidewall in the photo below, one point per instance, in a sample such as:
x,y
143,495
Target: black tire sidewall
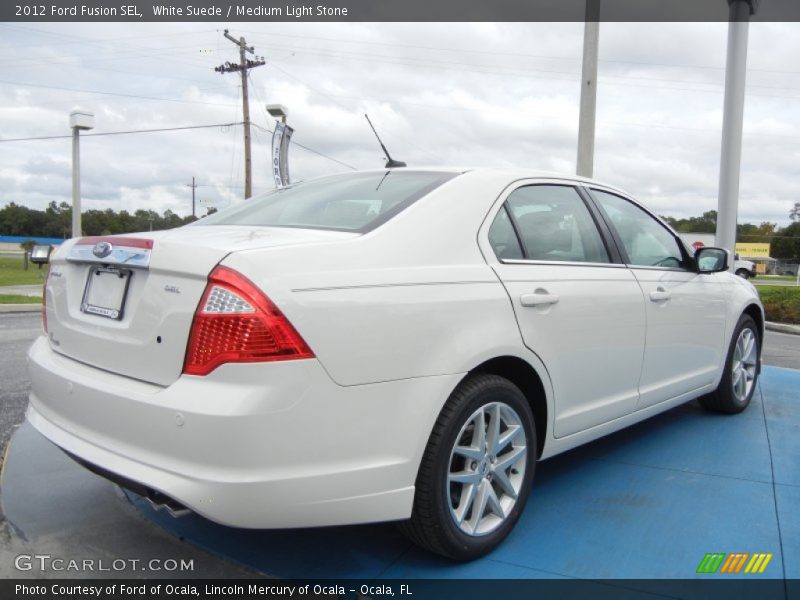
x,y
726,392
494,390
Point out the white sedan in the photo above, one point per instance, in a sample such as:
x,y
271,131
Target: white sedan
x,y
394,345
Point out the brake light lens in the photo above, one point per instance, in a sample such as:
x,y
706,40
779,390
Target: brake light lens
x,y
236,322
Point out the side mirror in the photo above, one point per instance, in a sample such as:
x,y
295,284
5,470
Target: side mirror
x,y
40,255
711,260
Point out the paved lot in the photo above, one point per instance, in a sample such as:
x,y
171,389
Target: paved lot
x,y
629,503
21,290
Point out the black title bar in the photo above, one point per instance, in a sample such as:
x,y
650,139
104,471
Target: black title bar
x,y
388,10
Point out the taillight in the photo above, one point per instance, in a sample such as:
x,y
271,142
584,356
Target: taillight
x,y
236,322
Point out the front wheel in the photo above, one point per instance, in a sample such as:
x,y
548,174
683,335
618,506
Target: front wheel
x,y
743,273
476,472
738,383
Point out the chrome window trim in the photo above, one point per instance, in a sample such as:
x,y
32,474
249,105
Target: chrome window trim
x,y
565,263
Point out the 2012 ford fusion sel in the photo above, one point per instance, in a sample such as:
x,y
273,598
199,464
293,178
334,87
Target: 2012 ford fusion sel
x,y
394,345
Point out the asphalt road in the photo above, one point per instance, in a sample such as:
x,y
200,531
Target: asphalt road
x,y
17,331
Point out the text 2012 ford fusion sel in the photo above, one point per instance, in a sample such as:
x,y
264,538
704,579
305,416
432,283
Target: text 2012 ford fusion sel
x,y
395,345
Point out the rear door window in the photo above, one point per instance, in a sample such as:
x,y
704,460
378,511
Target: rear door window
x,y
554,224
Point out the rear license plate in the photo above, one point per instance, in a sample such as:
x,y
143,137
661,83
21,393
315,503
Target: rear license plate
x,y
105,292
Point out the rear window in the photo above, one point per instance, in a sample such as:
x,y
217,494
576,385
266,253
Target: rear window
x,y
356,202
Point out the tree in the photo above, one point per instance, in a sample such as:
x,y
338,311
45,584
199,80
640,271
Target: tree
x,y
794,214
786,244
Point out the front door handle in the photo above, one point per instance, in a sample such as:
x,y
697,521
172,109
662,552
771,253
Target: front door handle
x,y
538,298
660,295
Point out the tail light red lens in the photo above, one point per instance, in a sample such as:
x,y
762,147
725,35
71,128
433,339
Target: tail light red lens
x,y
236,322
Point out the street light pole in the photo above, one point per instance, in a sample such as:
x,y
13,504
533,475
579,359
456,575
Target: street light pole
x,y
77,120
732,119
586,119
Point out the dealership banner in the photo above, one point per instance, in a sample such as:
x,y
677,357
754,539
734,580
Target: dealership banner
x,y
281,137
752,250
382,10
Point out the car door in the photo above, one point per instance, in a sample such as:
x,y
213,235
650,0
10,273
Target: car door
x,y
578,307
685,310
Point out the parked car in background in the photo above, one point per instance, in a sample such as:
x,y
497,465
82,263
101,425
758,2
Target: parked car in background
x,y
744,268
394,345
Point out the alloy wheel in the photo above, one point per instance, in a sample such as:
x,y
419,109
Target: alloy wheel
x,y
487,468
743,367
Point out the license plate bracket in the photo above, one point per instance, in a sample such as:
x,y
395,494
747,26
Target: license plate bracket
x,y
105,292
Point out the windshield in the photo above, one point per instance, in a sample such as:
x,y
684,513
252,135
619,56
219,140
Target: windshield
x,y
356,202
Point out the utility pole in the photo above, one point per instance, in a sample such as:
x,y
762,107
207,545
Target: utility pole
x,y
192,185
244,65
586,120
732,119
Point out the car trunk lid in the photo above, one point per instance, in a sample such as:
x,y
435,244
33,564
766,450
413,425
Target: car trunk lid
x,y
125,304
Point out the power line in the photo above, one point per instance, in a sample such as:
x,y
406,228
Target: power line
x,y
317,152
130,131
102,93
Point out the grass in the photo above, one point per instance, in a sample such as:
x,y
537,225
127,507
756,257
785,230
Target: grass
x,y
781,303
17,299
13,273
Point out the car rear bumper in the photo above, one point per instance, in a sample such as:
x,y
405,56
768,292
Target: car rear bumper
x,y
270,445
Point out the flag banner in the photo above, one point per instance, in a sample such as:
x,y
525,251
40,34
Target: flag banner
x,y
283,162
277,143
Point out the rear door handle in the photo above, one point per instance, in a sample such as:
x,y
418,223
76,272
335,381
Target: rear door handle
x,y
538,298
660,295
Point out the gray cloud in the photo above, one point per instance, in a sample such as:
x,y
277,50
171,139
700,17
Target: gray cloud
x,y
467,94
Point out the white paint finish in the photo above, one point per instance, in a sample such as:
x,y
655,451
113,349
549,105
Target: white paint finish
x,y
396,318
237,458
686,320
593,359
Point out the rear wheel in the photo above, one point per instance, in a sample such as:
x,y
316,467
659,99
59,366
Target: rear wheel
x,y
738,382
743,273
476,472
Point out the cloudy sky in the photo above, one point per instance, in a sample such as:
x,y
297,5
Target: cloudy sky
x,y
501,94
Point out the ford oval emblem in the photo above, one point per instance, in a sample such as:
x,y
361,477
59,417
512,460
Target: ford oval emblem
x,y
102,249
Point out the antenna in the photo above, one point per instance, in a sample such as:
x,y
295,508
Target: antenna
x,y
390,162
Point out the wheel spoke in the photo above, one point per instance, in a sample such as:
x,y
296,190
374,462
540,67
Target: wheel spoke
x,y
465,503
470,452
464,477
501,477
509,458
508,436
479,505
493,502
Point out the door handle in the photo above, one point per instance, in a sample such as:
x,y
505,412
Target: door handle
x,y
538,298
660,295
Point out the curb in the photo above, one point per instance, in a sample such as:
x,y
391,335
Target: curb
x,y
20,308
782,327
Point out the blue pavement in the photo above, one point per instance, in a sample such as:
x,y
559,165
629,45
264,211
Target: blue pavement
x,y
646,503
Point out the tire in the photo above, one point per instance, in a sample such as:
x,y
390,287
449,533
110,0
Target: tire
x,y
743,273
445,518
738,383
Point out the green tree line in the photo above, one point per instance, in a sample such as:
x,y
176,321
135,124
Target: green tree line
x,y
784,242
56,221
